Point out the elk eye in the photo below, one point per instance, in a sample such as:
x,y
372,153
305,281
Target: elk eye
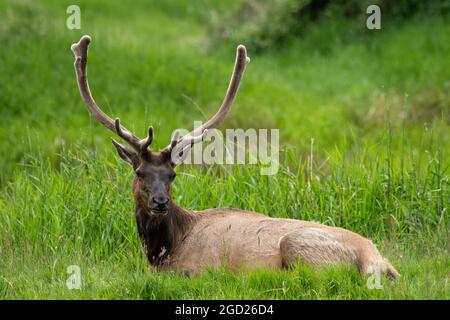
x,y
139,174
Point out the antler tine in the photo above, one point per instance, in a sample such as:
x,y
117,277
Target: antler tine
x,y
80,50
181,148
239,67
174,141
141,145
190,140
145,143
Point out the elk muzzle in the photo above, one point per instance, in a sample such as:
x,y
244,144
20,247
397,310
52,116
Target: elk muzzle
x,y
159,204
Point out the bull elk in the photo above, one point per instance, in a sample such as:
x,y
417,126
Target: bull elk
x,y
189,241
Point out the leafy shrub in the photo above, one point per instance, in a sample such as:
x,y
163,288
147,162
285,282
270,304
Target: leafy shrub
x,y
263,23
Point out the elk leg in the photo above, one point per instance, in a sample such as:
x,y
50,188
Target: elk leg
x,y
322,247
316,247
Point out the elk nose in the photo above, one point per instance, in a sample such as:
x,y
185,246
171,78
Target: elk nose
x,y
160,200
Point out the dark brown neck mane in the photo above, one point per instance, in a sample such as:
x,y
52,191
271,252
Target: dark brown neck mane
x,y
160,235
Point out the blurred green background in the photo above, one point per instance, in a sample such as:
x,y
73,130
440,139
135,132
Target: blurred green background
x,y
363,118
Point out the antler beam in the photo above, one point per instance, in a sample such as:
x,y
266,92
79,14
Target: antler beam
x,y
199,133
80,50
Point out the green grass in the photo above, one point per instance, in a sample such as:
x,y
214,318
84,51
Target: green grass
x,y
364,127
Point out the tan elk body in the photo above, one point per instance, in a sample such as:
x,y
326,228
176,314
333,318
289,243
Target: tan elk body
x,y
190,242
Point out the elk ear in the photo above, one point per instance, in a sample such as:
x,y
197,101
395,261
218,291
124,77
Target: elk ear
x,y
127,154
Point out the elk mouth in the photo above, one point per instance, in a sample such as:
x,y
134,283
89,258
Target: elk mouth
x,y
157,209
158,212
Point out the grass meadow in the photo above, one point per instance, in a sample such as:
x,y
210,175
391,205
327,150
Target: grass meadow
x,y
364,134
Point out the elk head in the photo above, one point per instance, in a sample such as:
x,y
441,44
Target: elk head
x,y
155,170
